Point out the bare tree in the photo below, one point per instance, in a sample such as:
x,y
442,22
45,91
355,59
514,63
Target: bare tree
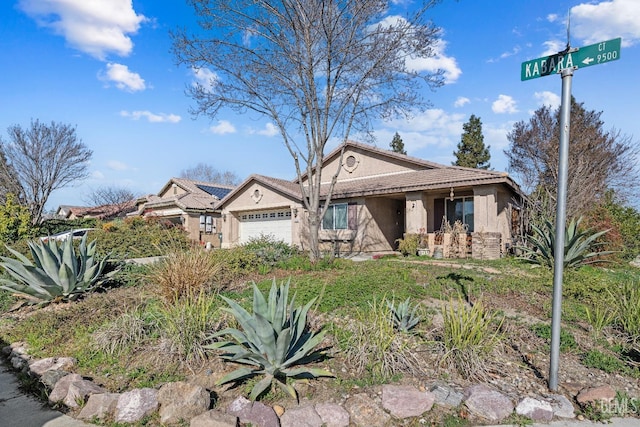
x,y
45,158
110,195
207,173
8,181
599,160
317,70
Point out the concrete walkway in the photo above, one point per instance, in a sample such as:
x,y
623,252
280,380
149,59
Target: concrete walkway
x,y
613,422
18,409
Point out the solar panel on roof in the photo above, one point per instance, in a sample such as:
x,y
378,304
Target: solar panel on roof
x,y
218,192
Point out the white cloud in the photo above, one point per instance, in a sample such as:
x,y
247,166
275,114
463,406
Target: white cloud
x,y
595,22
96,27
434,127
438,62
553,46
123,78
552,17
152,117
223,127
269,130
97,175
461,101
505,104
117,165
548,98
204,77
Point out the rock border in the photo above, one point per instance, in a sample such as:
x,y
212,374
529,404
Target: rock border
x,y
182,401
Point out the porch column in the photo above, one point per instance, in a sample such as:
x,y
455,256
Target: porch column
x,y
485,209
415,213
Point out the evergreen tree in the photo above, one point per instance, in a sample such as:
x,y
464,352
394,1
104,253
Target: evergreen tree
x,y
472,152
397,146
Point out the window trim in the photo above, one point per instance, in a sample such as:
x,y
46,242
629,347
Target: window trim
x,y
463,200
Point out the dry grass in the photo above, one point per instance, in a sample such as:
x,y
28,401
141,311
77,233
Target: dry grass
x,y
183,272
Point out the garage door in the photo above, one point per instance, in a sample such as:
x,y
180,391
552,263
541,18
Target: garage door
x,y
276,223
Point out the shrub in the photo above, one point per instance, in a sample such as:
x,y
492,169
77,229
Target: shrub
x,y
403,316
268,250
127,330
578,250
374,346
408,245
234,263
183,272
470,335
627,302
56,272
273,340
599,316
15,220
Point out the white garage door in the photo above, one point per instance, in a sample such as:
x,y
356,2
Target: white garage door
x,y
275,223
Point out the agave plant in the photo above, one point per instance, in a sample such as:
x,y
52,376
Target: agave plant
x,y
274,340
56,272
404,317
579,245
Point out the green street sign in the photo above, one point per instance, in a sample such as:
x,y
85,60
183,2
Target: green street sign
x,y
585,56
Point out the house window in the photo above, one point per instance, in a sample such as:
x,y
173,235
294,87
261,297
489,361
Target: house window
x,y
460,209
206,224
335,218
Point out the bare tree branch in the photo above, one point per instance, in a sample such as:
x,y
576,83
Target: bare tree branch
x,y
45,158
318,70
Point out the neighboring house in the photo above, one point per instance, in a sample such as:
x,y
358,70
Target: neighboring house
x,y
104,212
378,197
190,204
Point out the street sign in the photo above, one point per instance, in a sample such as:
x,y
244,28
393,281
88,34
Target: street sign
x,y
585,56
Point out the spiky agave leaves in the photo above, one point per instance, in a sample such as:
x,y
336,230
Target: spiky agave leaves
x,y
404,317
56,271
578,247
273,340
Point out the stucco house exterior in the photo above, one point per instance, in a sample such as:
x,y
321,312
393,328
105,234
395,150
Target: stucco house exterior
x,y
378,197
104,212
189,203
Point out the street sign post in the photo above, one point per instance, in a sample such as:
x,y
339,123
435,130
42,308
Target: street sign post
x,y
582,57
564,63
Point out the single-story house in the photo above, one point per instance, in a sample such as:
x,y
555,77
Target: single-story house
x,y
190,204
104,212
379,196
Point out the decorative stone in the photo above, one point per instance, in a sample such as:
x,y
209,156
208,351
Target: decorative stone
x,y
50,378
79,391
487,403
61,389
587,395
305,416
213,418
446,396
364,412
99,406
136,404
333,415
537,410
406,401
562,407
182,401
39,367
279,410
255,413
18,362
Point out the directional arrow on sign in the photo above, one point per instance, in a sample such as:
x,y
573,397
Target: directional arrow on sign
x,y
585,56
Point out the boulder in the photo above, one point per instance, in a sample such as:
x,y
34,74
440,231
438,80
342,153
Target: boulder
x,y
256,413
304,416
446,396
50,378
537,410
562,407
136,404
364,412
39,367
487,403
406,401
182,401
333,415
79,391
596,394
61,389
213,418
99,406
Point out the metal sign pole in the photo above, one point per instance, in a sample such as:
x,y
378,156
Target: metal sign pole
x,y
561,213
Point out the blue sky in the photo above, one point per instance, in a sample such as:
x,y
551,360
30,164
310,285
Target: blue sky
x,y
106,67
